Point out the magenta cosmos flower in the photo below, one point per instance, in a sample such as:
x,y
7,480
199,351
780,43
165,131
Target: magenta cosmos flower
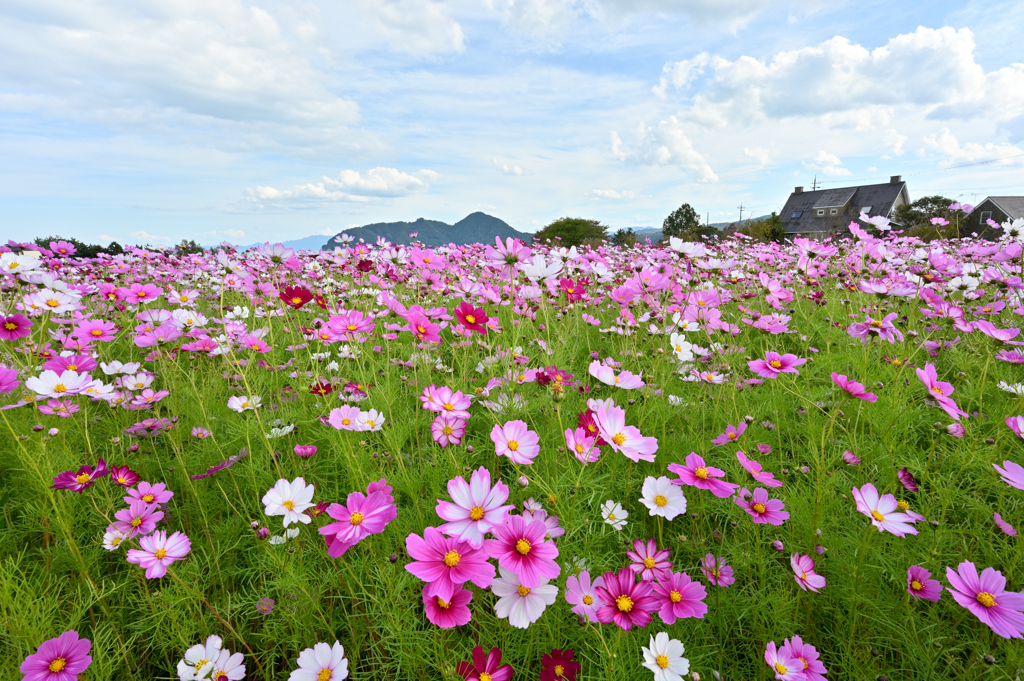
x,y
731,434
516,441
680,597
761,508
1006,527
14,327
443,401
940,391
1016,424
475,509
985,598
853,388
804,574
774,364
520,548
754,468
697,474
716,571
882,511
648,561
447,430
447,614
920,586
446,563
1011,473
782,662
362,516
158,551
84,477
627,440
473,318
625,601
484,667
581,593
58,659
807,655
138,519
883,328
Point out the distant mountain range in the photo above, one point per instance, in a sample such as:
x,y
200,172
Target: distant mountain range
x,y
474,228
654,233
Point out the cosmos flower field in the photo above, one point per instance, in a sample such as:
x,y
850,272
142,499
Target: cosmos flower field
x,y
719,460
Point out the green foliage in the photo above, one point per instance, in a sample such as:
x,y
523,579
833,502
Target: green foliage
x,y
572,232
188,247
766,230
915,218
683,223
624,237
82,249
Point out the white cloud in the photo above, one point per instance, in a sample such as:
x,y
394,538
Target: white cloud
x,y
664,144
681,73
507,168
759,154
947,144
104,237
612,194
234,233
147,237
350,185
827,163
417,26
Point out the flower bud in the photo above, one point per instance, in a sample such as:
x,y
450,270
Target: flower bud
x,y
523,481
263,533
777,545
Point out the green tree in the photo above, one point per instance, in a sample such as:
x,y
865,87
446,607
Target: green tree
x,y
624,237
682,222
82,249
572,231
915,218
765,230
188,247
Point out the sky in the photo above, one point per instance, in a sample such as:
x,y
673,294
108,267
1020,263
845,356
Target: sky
x,y
154,121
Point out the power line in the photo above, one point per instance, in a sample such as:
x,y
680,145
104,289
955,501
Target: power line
x,y
926,172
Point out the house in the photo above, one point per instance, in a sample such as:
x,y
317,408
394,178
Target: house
x,y
996,208
829,211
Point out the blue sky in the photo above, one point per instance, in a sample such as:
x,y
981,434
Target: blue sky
x,y
158,120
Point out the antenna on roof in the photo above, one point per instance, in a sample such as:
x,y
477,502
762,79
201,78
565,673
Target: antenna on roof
x,y
741,211
814,187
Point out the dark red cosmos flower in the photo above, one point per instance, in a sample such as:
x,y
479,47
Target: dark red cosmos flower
x,y
321,301
587,422
78,481
907,479
484,667
296,296
321,388
364,265
558,665
474,319
123,476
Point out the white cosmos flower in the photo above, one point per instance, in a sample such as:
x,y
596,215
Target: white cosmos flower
x,y
521,605
112,538
289,499
662,497
199,660
322,662
51,384
371,420
665,658
614,514
242,403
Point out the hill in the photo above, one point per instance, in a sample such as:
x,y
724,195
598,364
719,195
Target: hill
x,y
474,228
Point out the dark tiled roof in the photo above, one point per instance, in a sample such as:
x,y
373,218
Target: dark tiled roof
x,y
1013,206
848,200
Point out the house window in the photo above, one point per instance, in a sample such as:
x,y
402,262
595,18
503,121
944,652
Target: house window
x,y
821,211
986,215
834,211
865,209
798,214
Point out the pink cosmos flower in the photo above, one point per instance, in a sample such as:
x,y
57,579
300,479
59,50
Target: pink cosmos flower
x,y
520,548
761,508
581,593
986,599
446,563
582,445
882,511
701,476
419,325
850,458
447,430
345,418
1012,474
516,441
484,667
807,656
14,327
680,597
142,293
9,379
731,434
883,328
716,571
95,331
627,440
138,519
906,479
782,662
507,256
473,318
151,495
158,551
1006,527
446,614
648,561
84,477
853,388
754,468
1016,424
362,516
476,507
607,375
920,586
443,401
625,601
58,659
774,364
804,574
123,476
940,391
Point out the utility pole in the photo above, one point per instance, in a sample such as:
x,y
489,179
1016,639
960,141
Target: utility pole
x,y
814,187
741,211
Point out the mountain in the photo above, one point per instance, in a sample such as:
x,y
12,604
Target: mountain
x,y
309,243
654,233
474,228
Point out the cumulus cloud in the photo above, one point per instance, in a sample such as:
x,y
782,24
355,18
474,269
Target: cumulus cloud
x,y
827,163
947,144
234,233
664,144
612,194
350,185
146,237
417,26
759,154
507,168
681,73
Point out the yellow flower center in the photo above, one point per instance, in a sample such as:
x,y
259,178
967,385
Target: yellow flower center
x,y
447,430
448,406
916,585
160,553
136,522
579,449
471,319
660,500
289,504
451,559
649,563
346,422
476,513
780,668
523,591
513,445
442,604
624,603
986,599
775,364
484,676
877,516
59,388
356,518
619,438
10,326
701,473
115,541
522,547
122,480
732,436
588,599
662,661
759,508
903,505
937,391
83,478
52,303
57,665
559,670
148,498
351,327
296,300
675,596
324,675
